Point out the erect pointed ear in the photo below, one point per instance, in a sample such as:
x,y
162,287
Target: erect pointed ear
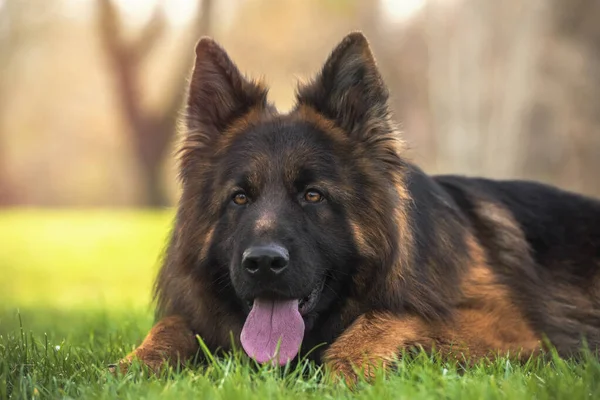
x,y
349,89
218,93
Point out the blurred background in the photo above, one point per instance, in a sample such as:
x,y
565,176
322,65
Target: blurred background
x,y
90,89
90,92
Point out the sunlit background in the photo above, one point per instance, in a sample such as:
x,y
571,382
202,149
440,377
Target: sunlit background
x,y
90,93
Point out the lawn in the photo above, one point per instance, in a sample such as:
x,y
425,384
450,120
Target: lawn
x,y
75,296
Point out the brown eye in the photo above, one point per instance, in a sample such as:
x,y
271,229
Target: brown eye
x,y
312,196
240,198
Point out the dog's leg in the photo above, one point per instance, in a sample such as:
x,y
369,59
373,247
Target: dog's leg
x,y
376,339
373,340
169,341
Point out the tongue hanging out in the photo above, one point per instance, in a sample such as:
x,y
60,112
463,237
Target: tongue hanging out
x,y
273,322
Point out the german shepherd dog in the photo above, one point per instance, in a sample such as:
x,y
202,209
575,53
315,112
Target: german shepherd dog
x,y
312,228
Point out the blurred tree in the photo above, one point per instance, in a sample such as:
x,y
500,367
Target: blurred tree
x,y
481,71
565,122
19,26
7,40
482,96
151,131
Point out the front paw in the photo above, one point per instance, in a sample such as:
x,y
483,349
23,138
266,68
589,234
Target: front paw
x,y
151,363
120,368
342,372
350,373
169,342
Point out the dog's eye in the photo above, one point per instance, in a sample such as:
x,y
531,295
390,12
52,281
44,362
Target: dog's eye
x,y
313,196
240,198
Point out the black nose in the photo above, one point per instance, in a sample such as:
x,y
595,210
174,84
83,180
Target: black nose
x,y
265,260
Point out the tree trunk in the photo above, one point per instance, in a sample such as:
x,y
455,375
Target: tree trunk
x,y
154,193
151,143
151,131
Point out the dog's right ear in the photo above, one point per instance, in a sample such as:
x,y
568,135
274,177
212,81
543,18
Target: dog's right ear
x,y
218,93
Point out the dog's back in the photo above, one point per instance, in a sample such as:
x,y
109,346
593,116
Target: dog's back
x,y
544,244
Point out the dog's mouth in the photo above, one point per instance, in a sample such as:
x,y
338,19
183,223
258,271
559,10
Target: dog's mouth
x,y
307,303
274,328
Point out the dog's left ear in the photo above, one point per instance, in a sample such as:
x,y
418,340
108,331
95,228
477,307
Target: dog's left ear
x,y
349,89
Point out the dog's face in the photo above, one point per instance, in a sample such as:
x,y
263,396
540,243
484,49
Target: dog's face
x,y
285,199
282,213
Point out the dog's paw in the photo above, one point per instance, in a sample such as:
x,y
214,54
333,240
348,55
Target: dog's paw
x,y
350,373
120,368
340,371
152,364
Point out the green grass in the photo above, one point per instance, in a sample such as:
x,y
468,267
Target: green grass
x,y
75,296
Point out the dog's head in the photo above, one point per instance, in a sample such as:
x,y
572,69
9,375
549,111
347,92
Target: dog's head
x,y
289,209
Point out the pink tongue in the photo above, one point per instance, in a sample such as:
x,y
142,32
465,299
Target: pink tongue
x,y
271,323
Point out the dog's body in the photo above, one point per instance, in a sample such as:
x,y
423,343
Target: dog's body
x,y
311,228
